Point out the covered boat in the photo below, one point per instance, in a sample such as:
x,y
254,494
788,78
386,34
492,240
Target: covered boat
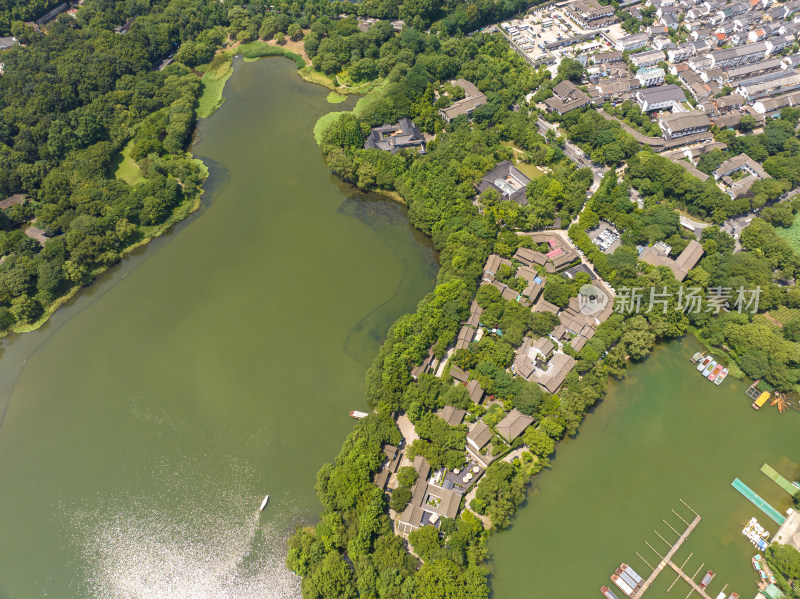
x,y
709,576
761,400
623,586
608,593
632,573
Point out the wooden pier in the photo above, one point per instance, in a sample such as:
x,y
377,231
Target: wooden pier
x,y
752,392
666,560
691,582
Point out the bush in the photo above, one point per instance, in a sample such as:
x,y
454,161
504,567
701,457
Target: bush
x,y
259,49
407,476
7,319
400,498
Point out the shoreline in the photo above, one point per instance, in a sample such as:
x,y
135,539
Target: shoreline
x,y
180,213
191,205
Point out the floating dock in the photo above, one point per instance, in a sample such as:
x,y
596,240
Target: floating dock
x,y
667,561
757,501
752,391
780,481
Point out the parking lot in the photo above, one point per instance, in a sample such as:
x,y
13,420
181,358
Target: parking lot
x,y
548,35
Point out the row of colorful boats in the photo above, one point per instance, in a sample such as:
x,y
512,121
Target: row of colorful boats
x,y
756,534
710,369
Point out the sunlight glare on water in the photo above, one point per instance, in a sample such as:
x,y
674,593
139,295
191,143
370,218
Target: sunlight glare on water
x,y
221,547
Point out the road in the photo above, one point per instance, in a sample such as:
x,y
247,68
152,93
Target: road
x,y
598,281
694,224
574,153
735,225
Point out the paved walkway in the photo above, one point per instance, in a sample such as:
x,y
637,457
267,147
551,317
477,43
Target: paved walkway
x,y
487,523
517,453
653,142
445,359
658,143
574,153
695,224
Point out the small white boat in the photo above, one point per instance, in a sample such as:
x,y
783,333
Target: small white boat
x,y
264,504
358,415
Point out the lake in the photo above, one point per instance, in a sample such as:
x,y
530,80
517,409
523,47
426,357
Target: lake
x,y
662,435
142,426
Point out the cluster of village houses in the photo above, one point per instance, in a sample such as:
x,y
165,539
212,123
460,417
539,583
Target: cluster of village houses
x,y
735,44
539,360
730,59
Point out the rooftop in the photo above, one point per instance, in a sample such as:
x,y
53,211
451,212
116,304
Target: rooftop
x,y
452,415
681,266
507,180
393,138
473,98
513,425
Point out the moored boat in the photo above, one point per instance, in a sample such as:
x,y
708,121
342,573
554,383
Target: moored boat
x,y
632,573
709,368
761,400
623,586
733,596
721,376
703,363
696,357
709,576
628,579
608,593
358,415
756,562
715,373
721,595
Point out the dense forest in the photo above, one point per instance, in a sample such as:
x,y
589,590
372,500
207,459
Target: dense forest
x,y
70,102
19,11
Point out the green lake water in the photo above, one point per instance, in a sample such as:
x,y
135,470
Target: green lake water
x,y
661,436
143,425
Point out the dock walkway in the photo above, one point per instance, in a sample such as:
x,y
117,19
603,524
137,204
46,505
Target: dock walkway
x,y
760,503
691,582
780,480
667,561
